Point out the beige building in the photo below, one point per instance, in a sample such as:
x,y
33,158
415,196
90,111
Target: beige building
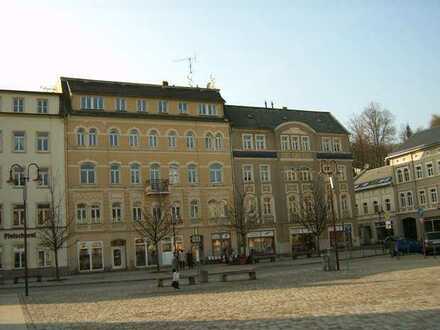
x,y
416,173
31,131
375,204
129,145
276,154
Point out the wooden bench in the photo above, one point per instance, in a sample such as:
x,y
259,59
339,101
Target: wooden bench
x,y
38,277
161,280
251,272
270,257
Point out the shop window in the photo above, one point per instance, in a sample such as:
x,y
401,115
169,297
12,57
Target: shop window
x,y
19,258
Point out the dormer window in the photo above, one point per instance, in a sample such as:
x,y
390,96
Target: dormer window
x,y
247,141
141,106
162,106
207,109
326,144
337,145
260,141
92,102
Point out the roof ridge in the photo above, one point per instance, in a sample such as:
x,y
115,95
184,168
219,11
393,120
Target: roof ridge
x,y
272,109
137,83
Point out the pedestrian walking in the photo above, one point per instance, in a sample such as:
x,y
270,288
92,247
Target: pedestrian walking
x,y
176,278
189,259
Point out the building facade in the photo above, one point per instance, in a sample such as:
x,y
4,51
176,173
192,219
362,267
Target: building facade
x,y
31,131
276,155
130,146
376,205
416,171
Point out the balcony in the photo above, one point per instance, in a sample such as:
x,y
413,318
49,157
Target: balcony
x,y
157,187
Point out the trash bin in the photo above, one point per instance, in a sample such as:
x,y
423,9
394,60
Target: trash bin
x,y
203,276
329,260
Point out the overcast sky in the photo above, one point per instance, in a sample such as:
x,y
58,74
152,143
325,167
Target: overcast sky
x,y
323,55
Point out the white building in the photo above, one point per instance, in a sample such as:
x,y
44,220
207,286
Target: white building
x,y
31,131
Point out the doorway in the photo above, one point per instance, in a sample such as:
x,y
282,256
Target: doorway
x,y
410,228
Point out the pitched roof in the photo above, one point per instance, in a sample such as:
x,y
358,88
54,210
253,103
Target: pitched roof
x,y
374,178
419,140
256,117
128,89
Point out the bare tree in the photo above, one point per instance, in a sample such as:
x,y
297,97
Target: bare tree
x,y
435,121
155,224
375,127
313,212
243,217
54,227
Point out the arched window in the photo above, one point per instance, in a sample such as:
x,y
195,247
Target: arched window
x,y
190,141
153,139
194,209
133,138
174,174
215,173
114,138
192,174
209,141
115,174
88,174
80,137
93,137
409,198
218,142
172,139
135,174
154,173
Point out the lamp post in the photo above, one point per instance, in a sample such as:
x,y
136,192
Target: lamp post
x,y
329,172
23,180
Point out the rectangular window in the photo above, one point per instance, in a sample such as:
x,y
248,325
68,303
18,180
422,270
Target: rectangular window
x,y
247,141
18,104
44,176
81,216
44,258
162,106
365,206
337,145
260,141
19,141
141,106
429,170
43,142
402,200
290,174
265,173
136,213
95,214
422,197
326,144
305,143
92,103
183,107
18,215
248,173
43,211
42,106
419,172
294,142
342,173
285,142
19,258
433,193
116,213
121,104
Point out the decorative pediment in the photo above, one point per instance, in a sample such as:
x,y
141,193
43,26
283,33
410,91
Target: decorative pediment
x,y
295,131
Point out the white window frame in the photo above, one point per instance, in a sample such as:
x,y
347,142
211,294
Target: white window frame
x,y
247,141
95,213
121,104
429,169
248,173
305,143
326,144
19,139
285,142
260,141
265,175
183,107
337,145
141,105
42,142
116,212
42,105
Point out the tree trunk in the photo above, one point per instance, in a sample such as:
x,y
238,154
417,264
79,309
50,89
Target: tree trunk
x,y
318,246
57,267
243,243
157,257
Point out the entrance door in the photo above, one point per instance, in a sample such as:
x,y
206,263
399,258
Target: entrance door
x,y
410,228
118,257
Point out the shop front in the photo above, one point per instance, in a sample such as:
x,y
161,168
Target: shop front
x,y
221,244
261,242
118,253
344,234
302,242
91,256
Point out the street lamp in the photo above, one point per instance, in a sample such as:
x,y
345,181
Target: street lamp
x,y
327,170
24,179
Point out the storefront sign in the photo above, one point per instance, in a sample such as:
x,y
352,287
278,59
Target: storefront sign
x,y
221,236
266,233
299,231
346,228
389,224
19,236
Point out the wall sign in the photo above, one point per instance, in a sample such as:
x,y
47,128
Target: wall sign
x,y
19,236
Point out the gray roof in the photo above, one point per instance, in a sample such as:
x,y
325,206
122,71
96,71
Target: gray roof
x,y
419,140
256,117
128,89
374,178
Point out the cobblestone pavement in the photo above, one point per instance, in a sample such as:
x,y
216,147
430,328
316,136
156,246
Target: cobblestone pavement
x,y
373,293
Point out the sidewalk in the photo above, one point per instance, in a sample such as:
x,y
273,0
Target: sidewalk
x,y
11,313
151,275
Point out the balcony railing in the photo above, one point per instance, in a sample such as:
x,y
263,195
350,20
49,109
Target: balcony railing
x,y
157,187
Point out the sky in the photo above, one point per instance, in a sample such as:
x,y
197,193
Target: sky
x,y
333,56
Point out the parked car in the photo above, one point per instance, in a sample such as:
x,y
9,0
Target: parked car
x,y
402,245
432,242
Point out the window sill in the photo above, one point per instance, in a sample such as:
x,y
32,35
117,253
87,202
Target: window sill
x,y
18,152
42,152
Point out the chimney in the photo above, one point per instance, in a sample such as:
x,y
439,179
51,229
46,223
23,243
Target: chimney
x,y
164,83
265,104
271,103
284,108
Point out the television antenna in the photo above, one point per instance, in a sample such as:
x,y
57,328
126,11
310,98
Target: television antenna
x,y
191,61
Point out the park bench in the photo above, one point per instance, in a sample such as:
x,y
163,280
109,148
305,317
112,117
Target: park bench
x,y
251,272
161,280
270,257
38,277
